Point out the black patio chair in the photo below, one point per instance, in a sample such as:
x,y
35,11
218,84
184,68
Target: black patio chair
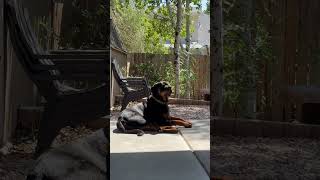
x,y
64,105
134,88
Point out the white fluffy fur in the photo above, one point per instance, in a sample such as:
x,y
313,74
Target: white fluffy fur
x,y
134,113
81,160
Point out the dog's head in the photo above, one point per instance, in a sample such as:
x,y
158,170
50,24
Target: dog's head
x,y
161,90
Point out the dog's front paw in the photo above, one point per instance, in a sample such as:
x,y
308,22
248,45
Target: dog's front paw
x,y
168,129
188,124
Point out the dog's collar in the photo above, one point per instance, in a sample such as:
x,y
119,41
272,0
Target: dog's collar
x,y
158,101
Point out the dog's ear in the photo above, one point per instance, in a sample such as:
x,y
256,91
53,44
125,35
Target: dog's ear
x,y
153,90
167,86
156,88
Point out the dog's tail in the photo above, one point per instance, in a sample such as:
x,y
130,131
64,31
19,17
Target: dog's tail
x,y
122,128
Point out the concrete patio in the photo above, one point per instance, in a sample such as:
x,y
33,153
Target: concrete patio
x,y
183,156
198,139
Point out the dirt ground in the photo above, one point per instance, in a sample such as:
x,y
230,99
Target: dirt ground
x,y
264,158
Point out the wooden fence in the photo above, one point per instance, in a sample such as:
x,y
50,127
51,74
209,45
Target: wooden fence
x,y
199,64
295,42
16,89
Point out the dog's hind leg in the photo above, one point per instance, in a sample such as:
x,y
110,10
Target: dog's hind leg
x,y
122,128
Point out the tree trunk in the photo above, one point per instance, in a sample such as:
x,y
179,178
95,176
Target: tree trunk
x,y
173,23
188,22
176,48
217,56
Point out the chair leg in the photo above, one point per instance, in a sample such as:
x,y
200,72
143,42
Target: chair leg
x,y
50,126
125,103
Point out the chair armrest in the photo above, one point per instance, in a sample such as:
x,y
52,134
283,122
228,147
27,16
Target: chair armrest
x,y
72,56
80,61
93,51
87,90
84,65
135,78
77,77
136,83
141,80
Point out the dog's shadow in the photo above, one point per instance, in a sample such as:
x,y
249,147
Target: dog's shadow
x,y
117,131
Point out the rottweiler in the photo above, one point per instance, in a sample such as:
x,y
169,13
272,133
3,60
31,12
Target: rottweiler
x,y
157,109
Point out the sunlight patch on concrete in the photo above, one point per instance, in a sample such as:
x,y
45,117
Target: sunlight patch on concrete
x,y
130,143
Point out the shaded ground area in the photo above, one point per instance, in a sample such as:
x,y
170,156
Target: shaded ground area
x,y
264,158
198,139
15,165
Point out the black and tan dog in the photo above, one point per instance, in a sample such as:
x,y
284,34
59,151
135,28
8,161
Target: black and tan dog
x,y
157,110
